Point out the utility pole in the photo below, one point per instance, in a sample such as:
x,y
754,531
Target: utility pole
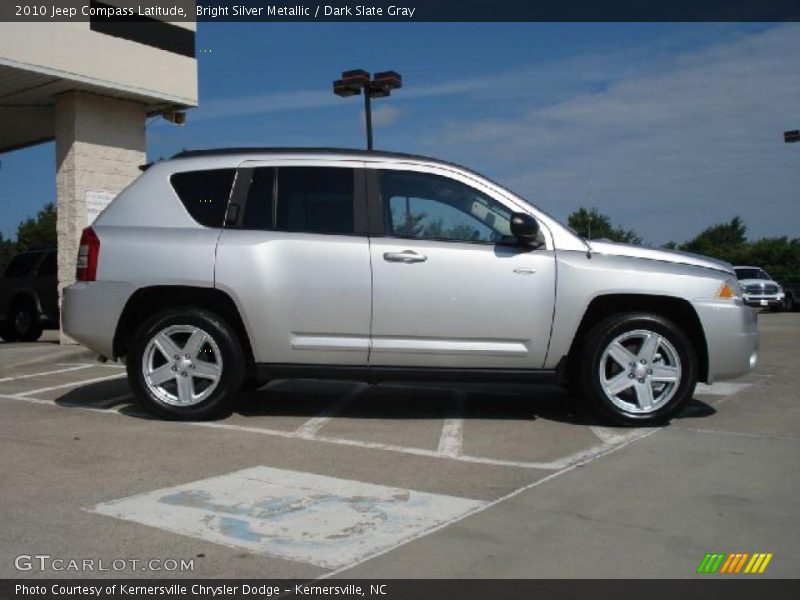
x,y
357,81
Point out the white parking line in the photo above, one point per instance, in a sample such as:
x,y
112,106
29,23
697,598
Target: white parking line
x,y
42,374
451,441
71,384
552,465
720,388
115,400
28,400
107,365
54,404
609,435
491,504
310,428
547,466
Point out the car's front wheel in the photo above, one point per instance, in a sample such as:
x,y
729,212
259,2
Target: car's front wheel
x,y
186,364
638,369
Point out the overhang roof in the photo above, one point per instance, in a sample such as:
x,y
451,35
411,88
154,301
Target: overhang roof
x,y
27,101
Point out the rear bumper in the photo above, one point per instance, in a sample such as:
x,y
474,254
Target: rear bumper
x,y
731,338
91,311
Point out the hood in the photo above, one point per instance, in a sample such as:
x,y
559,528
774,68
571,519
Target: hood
x,y
673,256
744,282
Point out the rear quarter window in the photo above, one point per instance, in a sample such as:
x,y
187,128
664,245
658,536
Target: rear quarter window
x,y
22,265
49,265
205,194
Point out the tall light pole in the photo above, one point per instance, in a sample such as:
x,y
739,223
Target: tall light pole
x,y
357,81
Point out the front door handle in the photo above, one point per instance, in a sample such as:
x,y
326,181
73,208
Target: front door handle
x,y
406,256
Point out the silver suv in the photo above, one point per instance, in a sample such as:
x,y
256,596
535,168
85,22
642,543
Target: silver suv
x,y
222,269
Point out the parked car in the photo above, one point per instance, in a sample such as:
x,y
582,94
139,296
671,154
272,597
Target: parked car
x,y
759,289
219,269
791,291
29,295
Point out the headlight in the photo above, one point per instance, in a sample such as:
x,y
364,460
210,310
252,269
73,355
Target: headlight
x,y
730,289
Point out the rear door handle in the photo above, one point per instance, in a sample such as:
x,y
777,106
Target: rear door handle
x,y
406,256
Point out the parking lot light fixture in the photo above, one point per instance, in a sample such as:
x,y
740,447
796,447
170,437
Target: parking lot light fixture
x,y
790,137
358,81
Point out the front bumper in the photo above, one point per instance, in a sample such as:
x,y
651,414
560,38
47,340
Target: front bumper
x,y
758,300
731,337
91,311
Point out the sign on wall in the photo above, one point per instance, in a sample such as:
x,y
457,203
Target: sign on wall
x,y
96,201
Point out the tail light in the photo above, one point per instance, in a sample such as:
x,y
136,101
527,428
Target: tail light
x,y
88,256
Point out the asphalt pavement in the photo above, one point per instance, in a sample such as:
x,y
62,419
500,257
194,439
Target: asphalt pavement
x,y
312,479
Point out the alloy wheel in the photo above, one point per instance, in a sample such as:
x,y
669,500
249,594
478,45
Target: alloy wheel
x,y
182,365
640,371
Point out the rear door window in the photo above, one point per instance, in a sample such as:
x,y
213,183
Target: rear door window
x,y
301,199
205,194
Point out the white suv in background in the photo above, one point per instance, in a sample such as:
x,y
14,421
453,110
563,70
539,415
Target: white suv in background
x,y
759,289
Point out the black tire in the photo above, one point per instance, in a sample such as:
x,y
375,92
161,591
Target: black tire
x,y
789,303
24,322
602,335
219,401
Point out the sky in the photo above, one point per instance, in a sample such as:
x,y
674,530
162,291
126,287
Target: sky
x,y
667,128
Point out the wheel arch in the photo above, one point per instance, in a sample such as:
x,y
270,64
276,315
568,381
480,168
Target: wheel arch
x,y
25,296
148,301
678,310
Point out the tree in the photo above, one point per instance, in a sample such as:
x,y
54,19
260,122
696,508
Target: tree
x,y
723,240
40,231
411,226
592,224
780,256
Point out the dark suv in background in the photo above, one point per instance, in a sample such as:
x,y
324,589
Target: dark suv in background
x,y
29,295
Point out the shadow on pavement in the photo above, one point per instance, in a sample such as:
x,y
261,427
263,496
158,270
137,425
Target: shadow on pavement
x,y
311,398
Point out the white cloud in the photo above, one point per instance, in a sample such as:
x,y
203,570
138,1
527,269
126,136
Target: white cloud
x,y
663,140
667,150
238,106
385,114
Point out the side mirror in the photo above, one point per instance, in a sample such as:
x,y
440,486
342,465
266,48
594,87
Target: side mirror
x,y
525,228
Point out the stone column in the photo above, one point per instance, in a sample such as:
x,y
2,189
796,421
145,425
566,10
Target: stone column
x,y
100,143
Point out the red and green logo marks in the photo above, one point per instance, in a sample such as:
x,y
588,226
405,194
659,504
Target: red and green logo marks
x,y
741,562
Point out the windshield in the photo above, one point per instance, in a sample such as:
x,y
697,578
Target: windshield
x,y
751,274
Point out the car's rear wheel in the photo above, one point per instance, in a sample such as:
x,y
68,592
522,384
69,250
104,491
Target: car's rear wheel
x,y
186,364
638,369
24,323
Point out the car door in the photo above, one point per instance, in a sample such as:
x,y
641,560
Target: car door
x,y
451,286
295,256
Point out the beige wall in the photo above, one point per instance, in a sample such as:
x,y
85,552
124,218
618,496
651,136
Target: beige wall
x,y
72,51
100,143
